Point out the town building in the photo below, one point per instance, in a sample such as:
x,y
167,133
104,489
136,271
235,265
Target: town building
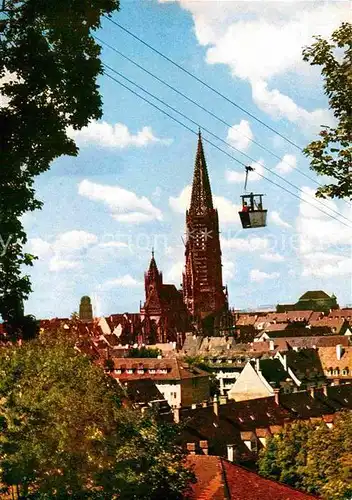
x,y
164,315
316,300
180,384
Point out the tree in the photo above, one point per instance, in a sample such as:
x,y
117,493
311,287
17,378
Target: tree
x,y
49,64
66,434
329,460
144,352
286,454
316,459
331,155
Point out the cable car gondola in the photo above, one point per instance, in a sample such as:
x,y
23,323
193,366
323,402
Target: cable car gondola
x,y
252,214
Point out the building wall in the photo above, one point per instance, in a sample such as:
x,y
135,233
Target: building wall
x,y
249,386
195,390
171,390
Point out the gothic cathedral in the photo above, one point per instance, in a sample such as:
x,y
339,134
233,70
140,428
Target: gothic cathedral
x,y
202,304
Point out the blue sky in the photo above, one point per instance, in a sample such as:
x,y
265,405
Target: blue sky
x,y
128,189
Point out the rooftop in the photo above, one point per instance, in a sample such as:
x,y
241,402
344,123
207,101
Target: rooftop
x,y
219,479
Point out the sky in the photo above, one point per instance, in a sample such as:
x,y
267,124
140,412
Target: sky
x,y
129,187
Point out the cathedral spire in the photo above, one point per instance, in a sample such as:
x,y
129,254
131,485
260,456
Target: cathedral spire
x,y
201,199
153,268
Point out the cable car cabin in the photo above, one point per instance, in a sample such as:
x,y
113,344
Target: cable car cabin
x,y
252,215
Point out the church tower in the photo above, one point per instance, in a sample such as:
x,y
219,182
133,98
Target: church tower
x,y
203,291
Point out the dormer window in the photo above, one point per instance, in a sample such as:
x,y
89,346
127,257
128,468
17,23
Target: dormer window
x,y
336,371
151,371
129,371
140,371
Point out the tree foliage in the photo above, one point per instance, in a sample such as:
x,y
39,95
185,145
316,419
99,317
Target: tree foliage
x,y
49,64
315,459
66,434
144,352
331,155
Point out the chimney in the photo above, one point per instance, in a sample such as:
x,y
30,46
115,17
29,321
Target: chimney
x,y
339,351
276,396
204,447
177,415
271,345
312,391
216,405
325,390
230,452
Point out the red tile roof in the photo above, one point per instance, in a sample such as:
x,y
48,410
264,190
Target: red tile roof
x,y
219,479
341,313
175,369
337,325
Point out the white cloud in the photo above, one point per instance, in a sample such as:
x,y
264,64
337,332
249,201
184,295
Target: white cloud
x,y
240,136
272,257
316,230
258,276
65,251
276,219
40,247
245,244
58,264
324,244
126,281
233,176
74,240
181,202
114,244
113,136
228,270
97,305
260,41
278,105
287,164
328,266
125,205
175,272
228,212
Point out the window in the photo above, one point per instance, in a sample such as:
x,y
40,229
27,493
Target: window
x,y
129,371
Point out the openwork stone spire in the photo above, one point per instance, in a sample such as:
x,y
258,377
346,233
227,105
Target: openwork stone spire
x,y
203,292
201,199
